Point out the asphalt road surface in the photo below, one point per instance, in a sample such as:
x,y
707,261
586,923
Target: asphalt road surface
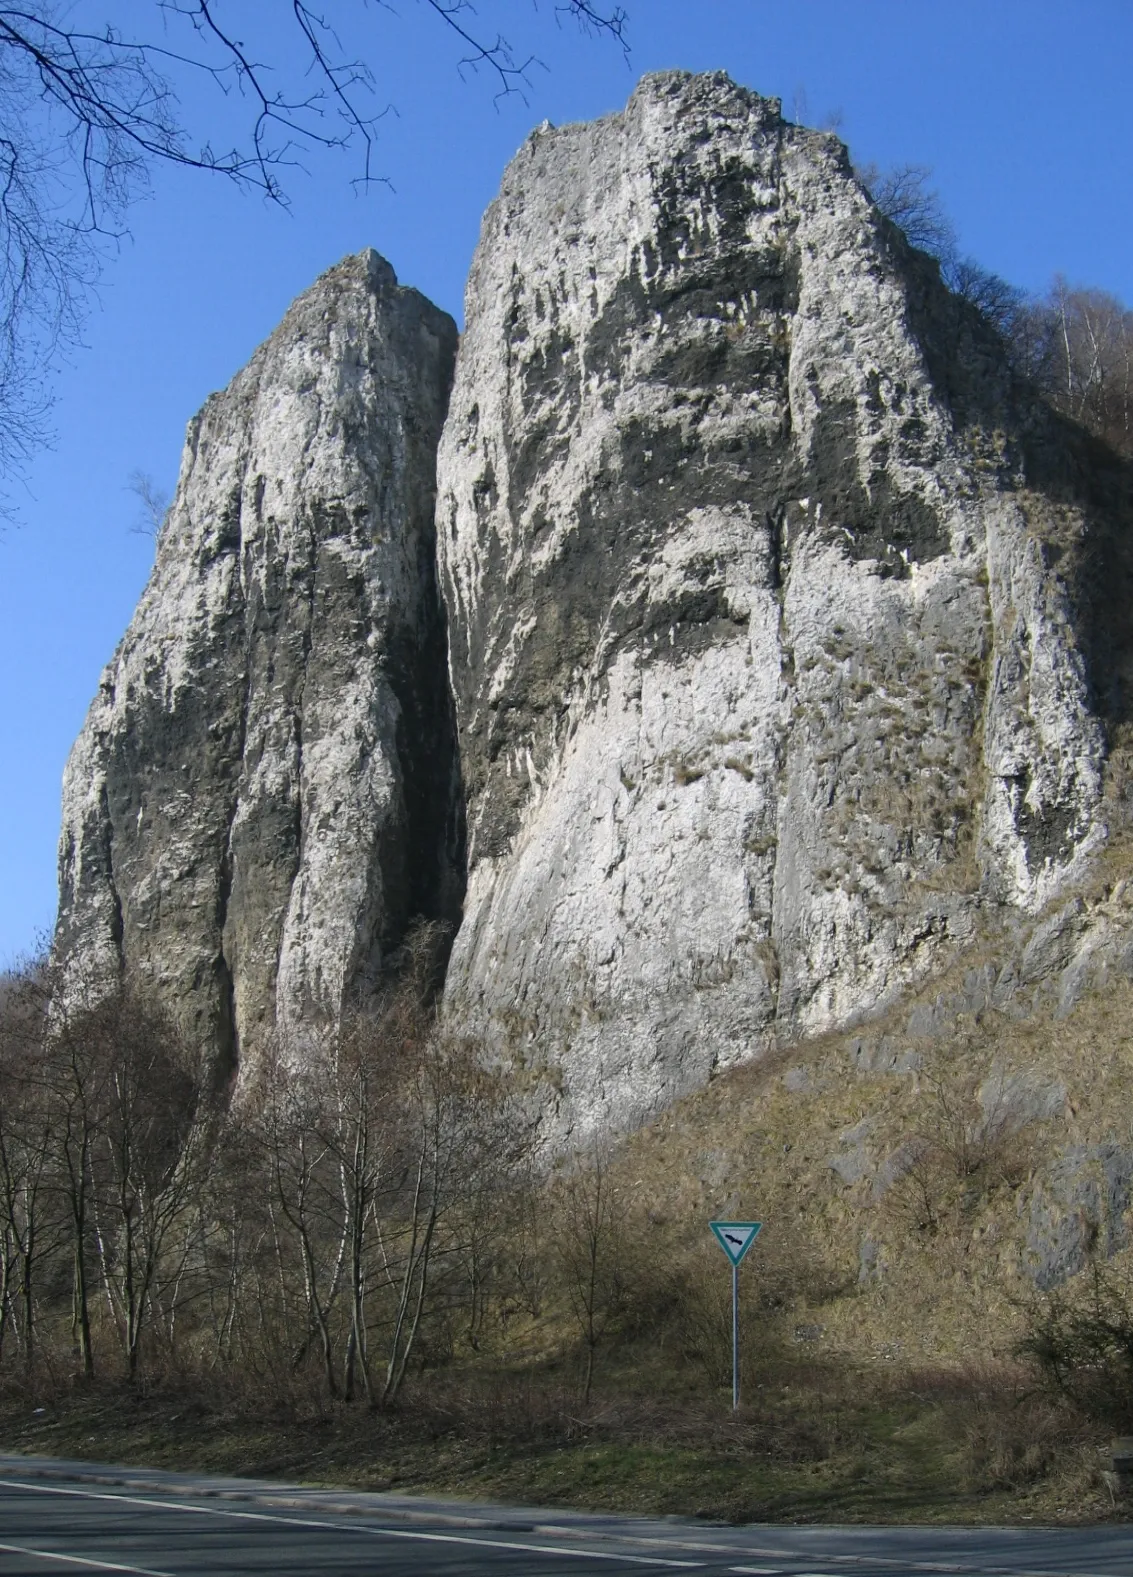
x,y
71,1517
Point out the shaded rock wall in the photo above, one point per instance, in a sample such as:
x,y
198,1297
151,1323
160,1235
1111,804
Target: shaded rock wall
x,y
265,789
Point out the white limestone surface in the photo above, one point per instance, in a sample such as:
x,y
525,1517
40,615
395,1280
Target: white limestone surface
x,y
260,794
761,672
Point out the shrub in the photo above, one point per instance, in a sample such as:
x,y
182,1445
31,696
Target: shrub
x,y
1081,1341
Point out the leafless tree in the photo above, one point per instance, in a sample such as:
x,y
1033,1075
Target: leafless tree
x,y
379,1148
153,505
461,1139
87,111
1087,360
589,1250
1076,344
150,1149
303,1202
74,1084
234,1275
905,195
26,1224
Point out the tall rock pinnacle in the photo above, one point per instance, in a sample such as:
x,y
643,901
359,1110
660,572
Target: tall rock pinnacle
x,y
265,789
767,605
784,650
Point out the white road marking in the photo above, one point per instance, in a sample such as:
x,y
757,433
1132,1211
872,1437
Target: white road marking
x,y
80,1560
340,1527
756,1571
902,1563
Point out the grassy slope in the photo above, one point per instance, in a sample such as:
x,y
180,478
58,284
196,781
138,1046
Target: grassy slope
x,y
795,1456
878,1387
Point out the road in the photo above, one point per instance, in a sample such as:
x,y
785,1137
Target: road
x,y
71,1517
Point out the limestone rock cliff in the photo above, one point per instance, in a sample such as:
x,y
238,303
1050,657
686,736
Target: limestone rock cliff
x,y
265,788
776,610
774,640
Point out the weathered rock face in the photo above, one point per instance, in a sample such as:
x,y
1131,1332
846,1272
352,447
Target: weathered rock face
x,y
788,638
771,629
265,789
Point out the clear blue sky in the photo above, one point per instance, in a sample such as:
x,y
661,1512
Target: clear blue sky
x,y
1023,109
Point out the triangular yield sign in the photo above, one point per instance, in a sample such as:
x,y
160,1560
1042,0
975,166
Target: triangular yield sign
x,y
736,1237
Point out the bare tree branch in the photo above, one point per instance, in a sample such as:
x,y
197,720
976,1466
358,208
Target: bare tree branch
x,y
153,504
903,194
87,112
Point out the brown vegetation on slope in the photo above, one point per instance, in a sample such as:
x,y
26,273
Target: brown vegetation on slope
x,y
361,1272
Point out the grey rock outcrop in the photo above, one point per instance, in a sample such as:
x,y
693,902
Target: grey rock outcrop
x,y
1076,1211
773,637
265,789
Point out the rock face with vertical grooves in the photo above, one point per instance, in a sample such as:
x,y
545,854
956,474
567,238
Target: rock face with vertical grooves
x,y
786,635
265,790
777,612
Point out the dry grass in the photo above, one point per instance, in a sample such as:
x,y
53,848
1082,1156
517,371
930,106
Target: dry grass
x,y
883,1304
813,1441
894,1191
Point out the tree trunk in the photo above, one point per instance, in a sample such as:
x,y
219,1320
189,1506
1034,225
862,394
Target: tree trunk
x,y
80,1322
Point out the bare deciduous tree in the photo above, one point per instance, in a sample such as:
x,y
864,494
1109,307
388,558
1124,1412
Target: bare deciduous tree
x,y
1081,341
150,1150
26,1120
303,1202
74,1076
905,195
87,111
589,1250
153,505
460,1137
1076,344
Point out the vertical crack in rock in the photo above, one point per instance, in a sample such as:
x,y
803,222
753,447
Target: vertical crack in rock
x,y
707,396
226,1053
265,839
116,926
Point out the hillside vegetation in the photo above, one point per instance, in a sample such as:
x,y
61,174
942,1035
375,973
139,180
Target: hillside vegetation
x,y
369,1274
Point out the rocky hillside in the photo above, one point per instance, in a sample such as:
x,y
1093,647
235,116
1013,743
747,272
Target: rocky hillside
x,y
265,789
787,635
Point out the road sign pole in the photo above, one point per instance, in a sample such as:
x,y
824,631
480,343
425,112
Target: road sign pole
x,y
735,1238
735,1337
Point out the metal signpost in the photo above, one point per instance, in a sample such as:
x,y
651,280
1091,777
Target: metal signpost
x,y
735,1238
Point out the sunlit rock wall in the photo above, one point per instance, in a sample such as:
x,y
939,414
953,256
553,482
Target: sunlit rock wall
x,y
764,679
265,790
